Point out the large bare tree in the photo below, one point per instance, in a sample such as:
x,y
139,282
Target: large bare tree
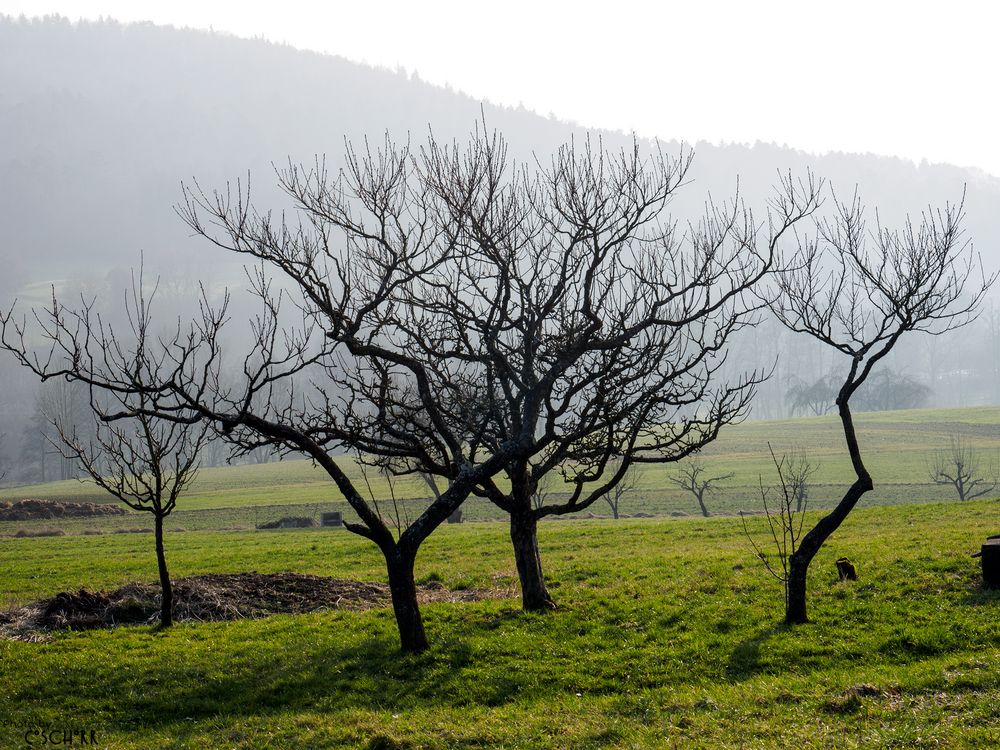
x,y
859,290
580,327
329,284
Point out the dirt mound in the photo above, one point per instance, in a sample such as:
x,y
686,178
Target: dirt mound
x,y
289,522
30,510
214,597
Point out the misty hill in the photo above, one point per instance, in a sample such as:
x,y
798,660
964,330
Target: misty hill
x,y
101,122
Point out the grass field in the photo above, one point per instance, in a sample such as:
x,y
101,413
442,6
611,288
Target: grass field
x,y
666,635
667,632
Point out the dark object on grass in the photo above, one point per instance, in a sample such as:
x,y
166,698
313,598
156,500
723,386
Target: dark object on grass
x,y
846,570
333,518
289,522
990,554
21,533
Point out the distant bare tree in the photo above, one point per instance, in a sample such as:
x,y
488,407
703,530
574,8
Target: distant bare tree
x,y
691,477
797,470
961,467
859,291
627,484
815,398
785,522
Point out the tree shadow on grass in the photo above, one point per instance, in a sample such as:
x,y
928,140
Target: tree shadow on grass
x,y
981,595
307,671
745,661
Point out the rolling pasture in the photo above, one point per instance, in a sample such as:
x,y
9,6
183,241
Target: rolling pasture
x,y
667,631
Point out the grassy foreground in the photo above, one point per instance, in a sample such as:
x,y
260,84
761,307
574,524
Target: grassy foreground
x,y
667,635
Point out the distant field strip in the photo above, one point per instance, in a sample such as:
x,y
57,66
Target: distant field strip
x,y
897,447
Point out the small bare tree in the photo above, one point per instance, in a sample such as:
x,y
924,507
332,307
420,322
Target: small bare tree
x,y
146,464
961,467
798,471
628,482
859,291
691,477
785,521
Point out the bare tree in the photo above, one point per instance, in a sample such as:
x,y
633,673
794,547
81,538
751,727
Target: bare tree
x,y
785,522
961,467
859,291
626,484
691,477
816,398
144,462
147,464
582,326
364,237
797,470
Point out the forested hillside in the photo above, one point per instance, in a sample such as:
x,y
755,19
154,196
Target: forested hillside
x,y
101,123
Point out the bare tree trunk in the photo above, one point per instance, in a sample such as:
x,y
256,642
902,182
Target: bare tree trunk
x,y
701,502
524,536
795,606
399,562
166,589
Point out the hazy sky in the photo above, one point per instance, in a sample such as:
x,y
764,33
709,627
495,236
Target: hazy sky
x,y
913,79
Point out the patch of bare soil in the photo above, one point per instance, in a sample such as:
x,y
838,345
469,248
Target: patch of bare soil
x,y
213,597
31,510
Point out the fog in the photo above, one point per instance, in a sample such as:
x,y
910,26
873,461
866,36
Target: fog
x,y
102,123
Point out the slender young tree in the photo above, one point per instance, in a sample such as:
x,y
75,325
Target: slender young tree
x,y
785,518
145,463
691,477
859,291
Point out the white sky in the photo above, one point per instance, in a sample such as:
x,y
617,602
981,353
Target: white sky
x,y
914,79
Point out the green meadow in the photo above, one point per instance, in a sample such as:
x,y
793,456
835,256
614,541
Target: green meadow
x,y
667,632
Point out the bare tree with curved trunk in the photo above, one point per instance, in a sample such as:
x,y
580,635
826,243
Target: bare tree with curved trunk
x,y
961,467
859,291
691,477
